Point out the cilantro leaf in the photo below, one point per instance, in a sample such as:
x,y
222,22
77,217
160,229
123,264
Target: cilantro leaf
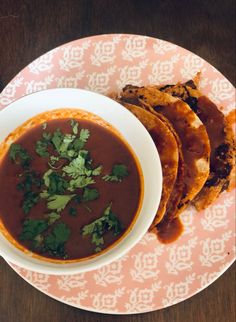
x,y
32,228
41,146
38,241
90,194
52,217
19,155
54,182
29,185
67,139
30,179
97,171
79,143
46,177
84,135
76,167
53,159
30,199
47,136
80,182
68,145
98,228
73,212
55,241
58,202
74,125
119,171
57,139
44,194
78,199
80,172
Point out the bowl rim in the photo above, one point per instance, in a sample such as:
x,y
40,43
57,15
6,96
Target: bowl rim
x,y
122,120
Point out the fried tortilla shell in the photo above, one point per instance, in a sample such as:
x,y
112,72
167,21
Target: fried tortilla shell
x,y
191,131
168,150
220,133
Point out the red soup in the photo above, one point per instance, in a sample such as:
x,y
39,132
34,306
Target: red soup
x,y
70,189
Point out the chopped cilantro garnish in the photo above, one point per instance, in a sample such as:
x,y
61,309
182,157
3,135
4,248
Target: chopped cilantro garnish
x,y
80,182
67,139
73,212
19,155
84,135
56,240
44,194
57,139
80,171
53,159
30,199
90,194
119,171
78,199
30,185
97,171
46,177
52,217
47,136
74,124
80,141
97,229
32,228
30,179
75,167
37,242
58,202
41,146
54,182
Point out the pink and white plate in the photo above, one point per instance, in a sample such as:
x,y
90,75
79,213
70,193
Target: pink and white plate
x,y
151,276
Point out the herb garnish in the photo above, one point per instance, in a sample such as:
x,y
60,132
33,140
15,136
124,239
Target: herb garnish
x,y
55,241
56,202
119,171
32,228
19,155
41,146
100,226
74,126
90,194
54,182
73,212
29,183
52,217
30,199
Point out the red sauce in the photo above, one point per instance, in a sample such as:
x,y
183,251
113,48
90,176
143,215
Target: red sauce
x,y
169,231
106,149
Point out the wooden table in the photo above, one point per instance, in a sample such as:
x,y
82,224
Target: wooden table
x,y
29,28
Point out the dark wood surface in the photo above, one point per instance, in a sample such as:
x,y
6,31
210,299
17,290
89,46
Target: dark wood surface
x,y
29,28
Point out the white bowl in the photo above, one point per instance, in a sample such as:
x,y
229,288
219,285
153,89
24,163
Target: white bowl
x,y
134,133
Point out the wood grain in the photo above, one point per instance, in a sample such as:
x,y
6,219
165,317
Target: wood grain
x,y
29,28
